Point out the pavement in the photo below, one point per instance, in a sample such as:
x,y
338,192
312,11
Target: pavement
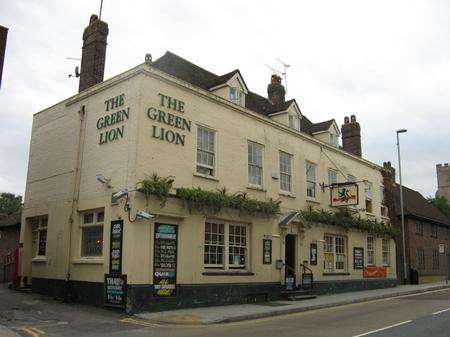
x,y
243,312
424,312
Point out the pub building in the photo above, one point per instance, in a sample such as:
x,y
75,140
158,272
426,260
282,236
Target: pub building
x,y
169,186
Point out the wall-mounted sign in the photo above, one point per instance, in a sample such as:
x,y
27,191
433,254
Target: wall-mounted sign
x,y
115,252
441,248
115,290
267,251
358,258
113,118
345,194
372,272
169,119
307,280
165,260
313,254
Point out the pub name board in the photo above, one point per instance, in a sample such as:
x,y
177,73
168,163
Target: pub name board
x,y
117,115
177,125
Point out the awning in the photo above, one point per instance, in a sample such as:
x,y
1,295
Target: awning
x,y
288,218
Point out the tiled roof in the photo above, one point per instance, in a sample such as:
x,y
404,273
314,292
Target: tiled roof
x,y
415,205
184,70
322,126
10,220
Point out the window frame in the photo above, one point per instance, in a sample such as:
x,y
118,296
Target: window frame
x,y
420,258
313,182
368,196
386,251
334,139
419,228
287,174
330,170
330,249
255,165
238,99
371,250
226,265
199,165
95,223
436,257
37,229
433,231
294,121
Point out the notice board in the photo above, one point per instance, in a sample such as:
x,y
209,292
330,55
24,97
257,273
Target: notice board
x,y
165,260
115,252
115,290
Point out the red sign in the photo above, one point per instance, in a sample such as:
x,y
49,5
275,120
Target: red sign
x,y
344,194
374,272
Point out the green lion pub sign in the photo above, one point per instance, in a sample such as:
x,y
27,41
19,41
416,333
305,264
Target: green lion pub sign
x,y
176,123
117,115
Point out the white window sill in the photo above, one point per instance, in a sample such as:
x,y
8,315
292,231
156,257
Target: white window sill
x,y
230,272
87,260
256,188
286,194
205,176
312,200
39,259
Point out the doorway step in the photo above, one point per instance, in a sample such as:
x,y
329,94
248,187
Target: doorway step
x,y
298,295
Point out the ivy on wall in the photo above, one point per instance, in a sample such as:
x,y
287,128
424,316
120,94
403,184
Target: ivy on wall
x,y
345,220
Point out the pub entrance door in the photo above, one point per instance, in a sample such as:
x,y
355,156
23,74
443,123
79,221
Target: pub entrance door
x,y
290,261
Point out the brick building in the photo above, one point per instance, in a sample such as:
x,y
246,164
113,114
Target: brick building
x,y
9,241
427,232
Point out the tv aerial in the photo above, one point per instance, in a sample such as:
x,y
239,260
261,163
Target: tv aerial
x,y
76,74
281,73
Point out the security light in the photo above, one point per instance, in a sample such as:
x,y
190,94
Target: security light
x,y
402,131
144,215
101,178
120,194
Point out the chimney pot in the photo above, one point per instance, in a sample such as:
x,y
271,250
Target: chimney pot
x,y
351,136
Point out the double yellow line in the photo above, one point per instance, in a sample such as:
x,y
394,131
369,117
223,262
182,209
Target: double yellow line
x,y
139,322
35,332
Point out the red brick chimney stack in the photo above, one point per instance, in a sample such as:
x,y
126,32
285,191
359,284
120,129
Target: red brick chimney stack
x,y
351,136
276,91
94,52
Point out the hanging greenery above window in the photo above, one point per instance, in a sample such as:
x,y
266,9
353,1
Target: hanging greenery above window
x,y
346,220
209,202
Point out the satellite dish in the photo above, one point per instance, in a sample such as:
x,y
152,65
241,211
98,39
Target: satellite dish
x,y
77,72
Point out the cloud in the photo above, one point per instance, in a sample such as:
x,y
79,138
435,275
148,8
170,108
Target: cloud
x,y
386,62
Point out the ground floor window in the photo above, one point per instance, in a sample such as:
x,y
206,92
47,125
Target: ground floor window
x,y
435,259
370,250
386,251
420,258
334,253
225,239
39,231
92,233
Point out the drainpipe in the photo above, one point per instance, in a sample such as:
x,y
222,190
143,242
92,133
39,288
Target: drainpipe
x,y
74,199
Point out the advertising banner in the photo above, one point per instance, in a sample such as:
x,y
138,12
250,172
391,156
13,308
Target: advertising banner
x,y
115,252
115,290
165,260
370,272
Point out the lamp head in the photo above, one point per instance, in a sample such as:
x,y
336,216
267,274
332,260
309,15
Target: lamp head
x,y
402,131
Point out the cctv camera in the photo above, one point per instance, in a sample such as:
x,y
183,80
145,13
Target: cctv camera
x,y
144,215
120,194
101,178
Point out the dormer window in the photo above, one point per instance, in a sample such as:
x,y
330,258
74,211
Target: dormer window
x,y
294,121
334,139
236,96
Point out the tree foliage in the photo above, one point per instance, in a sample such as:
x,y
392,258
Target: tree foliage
x,y
442,204
10,203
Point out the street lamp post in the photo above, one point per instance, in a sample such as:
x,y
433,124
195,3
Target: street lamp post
x,y
405,268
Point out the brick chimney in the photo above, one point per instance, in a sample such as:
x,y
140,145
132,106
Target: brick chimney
x,y
351,136
275,91
94,52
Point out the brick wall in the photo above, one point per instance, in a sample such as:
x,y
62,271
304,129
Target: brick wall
x,y
9,241
428,244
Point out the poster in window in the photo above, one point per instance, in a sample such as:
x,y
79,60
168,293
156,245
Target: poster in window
x,y
165,260
42,242
115,290
115,252
358,258
267,251
313,254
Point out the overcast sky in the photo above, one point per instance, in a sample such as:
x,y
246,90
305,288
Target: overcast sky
x,y
387,62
